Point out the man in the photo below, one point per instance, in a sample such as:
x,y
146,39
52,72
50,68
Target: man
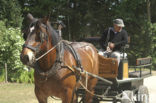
x,y
113,39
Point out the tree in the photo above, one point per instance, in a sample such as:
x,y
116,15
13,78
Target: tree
x,y
153,13
91,17
11,42
10,11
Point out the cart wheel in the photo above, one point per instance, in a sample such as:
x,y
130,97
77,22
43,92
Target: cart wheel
x,y
95,100
127,96
143,95
80,100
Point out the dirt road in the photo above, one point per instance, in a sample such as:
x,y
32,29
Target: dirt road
x,y
150,82
24,93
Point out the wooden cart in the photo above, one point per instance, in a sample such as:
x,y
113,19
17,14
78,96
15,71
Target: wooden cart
x,y
123,84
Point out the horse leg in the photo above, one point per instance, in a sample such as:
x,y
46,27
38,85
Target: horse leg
x,y
69,96
40,97
89,95
42,100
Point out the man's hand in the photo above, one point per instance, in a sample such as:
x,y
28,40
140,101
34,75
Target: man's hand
x,y
111,45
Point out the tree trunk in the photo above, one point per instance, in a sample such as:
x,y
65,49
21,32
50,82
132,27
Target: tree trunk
x,y
148,11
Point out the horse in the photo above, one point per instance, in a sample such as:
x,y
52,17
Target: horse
x,y
55,65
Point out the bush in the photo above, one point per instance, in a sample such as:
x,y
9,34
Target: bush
x,y
11,42
2,75
153,53
23,76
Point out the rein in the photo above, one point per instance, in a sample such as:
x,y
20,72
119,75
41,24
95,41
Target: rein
x,y
58,62
53,69
48,51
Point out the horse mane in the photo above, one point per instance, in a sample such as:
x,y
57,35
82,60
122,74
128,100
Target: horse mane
x,y
53,33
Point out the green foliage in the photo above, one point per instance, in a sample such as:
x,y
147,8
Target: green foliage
x,y
91,17
10,46
2,75
10,12
83,18
134,14
23,76
153,13
153,35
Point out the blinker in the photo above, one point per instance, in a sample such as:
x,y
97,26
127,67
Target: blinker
x,y
35,49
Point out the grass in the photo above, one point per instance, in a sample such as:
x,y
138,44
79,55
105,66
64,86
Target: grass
x,y
19,93
22,93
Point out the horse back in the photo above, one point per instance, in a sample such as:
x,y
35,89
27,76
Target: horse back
x,y
87,55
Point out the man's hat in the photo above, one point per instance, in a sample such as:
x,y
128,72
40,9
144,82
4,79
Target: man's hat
x,y
119,22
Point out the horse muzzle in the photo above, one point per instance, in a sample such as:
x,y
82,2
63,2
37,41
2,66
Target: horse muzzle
x,y
28,58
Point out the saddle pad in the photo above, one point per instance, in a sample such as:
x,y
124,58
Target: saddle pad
x,y
108,67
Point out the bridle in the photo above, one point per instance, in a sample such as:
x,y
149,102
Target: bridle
x,y
58,62
36,49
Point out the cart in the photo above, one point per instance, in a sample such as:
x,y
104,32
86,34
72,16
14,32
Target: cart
x,y
123,84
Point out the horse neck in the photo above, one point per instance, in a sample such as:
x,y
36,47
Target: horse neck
x,y
48,60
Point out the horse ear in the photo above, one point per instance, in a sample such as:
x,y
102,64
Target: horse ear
x,y
30,17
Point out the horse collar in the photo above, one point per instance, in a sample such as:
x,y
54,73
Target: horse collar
x,y
57,64
51,72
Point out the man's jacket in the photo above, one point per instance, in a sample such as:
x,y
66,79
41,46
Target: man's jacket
x,y
118,38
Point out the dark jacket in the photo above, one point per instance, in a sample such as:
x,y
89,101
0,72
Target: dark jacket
x,y
119,39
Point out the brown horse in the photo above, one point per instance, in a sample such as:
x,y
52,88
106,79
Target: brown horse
x,y
41,51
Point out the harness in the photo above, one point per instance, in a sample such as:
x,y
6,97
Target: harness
x,y
36,48
69,46
58,64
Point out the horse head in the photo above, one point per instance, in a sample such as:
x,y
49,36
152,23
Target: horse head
x,y
39,38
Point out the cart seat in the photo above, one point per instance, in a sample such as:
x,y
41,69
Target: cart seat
x,y
108,67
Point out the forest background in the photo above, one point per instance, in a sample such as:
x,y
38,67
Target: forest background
x,y
83,18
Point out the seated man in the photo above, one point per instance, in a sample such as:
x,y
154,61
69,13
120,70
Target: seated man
x,y
113,39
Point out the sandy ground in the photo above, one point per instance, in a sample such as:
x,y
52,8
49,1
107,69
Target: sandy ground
x,y
150,82
21,93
